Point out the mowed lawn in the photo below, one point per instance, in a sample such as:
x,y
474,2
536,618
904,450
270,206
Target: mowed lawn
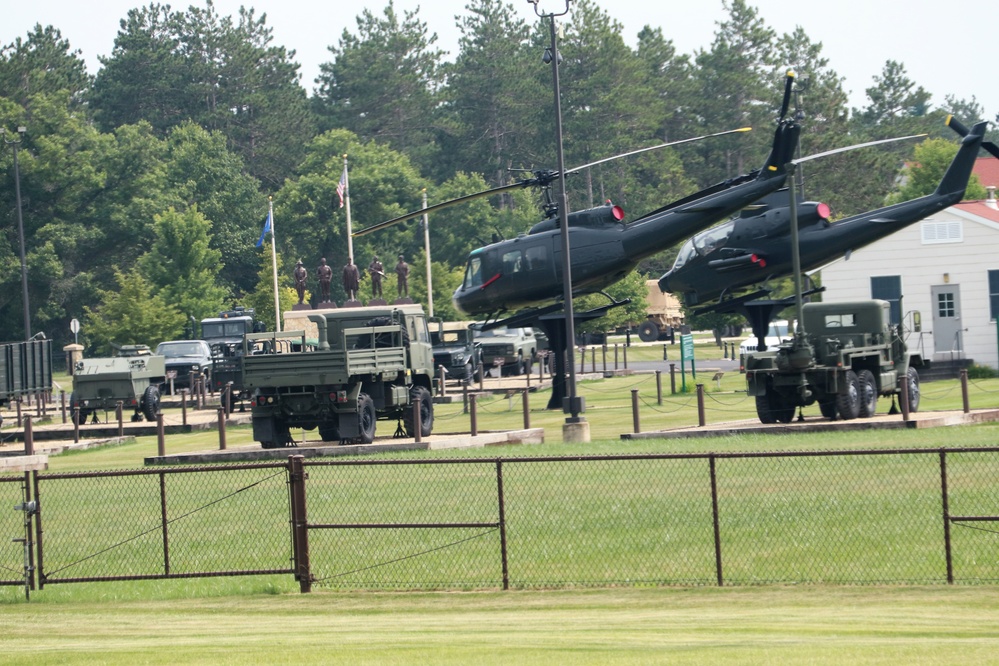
x,y
770,625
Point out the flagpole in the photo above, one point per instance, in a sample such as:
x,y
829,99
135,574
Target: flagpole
x,y
426,246
277,300
346,197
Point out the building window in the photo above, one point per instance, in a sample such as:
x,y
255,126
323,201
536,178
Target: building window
x,y
945,304
994,294
942,232
889,288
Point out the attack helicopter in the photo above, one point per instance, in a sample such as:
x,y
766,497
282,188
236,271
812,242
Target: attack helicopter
x,y
755,247
526,272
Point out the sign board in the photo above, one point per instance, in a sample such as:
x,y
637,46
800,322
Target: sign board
x,y
687,347
74,326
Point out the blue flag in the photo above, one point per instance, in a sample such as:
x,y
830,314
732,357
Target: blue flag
x,y
267,228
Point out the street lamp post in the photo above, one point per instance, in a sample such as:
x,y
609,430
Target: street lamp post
x,y
576,425
20,226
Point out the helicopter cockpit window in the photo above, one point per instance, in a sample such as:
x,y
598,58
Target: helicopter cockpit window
x,y
706,241
537,258
512,262
685,254
473,273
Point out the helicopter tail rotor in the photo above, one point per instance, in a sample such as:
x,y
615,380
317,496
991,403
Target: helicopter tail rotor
x,y
785,105
963,131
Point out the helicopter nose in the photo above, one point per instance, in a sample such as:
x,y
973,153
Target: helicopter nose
x,y
664,283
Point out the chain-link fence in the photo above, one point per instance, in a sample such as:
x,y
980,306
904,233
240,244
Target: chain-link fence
x,y
872,516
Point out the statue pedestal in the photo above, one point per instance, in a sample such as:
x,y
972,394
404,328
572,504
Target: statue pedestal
x,y
405,300
352,304
576,433
301,306
377,301
326,305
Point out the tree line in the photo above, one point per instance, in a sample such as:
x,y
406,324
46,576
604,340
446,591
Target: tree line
x,y
145,185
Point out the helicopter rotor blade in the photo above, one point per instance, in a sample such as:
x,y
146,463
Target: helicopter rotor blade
x,y
788,84
835,151
430,209
662,145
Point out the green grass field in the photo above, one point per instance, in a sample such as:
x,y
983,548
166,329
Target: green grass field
x,y
265,620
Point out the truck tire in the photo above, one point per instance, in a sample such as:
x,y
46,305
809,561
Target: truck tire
x,y
772,408
426,412
150,405
848,402
648,331
912,377
868,391
828,408
366,418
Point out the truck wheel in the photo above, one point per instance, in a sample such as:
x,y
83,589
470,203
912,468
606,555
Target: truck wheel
x,y
426,412
366,418
763,409
868,394
848,402
828,408
648,331
912,377
773,408
329,432
150,402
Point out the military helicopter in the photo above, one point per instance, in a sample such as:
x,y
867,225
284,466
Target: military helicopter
x,y
526,271
755,247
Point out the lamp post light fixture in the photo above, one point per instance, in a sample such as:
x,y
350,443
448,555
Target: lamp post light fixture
x,y
20,225
573,405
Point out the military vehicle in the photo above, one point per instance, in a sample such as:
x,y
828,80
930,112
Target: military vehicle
x,y
843,357
224,334
367,363
663,315
25,369
511,349
132,376
456,350
186,361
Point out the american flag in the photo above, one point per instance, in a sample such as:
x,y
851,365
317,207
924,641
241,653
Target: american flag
x,y
341,187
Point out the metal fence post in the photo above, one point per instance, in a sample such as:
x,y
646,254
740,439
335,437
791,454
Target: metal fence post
x,y
700,405
299,523
221,428
659,387
672,378
964,390
119,414
62,405
474,415
946,515
717,523
634,411
160,436
29,437
183,406
502,524
527,411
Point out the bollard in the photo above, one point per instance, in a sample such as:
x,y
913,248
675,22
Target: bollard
x,y
604,353
672,378
964,389
624,353
659,387
119,414
441,380
221,429
464,409
527,410
19,420
417,421
482,378
474,415
183,406
700,405
527,374
76,424
582,360
29,437
62,405
593,359
615,356
665,355
160,436
634,411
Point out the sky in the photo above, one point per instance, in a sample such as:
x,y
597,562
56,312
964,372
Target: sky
x,y
946,49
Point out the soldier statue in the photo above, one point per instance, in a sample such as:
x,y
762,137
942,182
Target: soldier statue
x,y
351,279
325,274
300,277
377,271
402,273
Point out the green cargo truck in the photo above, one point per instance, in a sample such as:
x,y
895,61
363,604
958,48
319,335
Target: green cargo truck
x,y
843,358
366,363
132,377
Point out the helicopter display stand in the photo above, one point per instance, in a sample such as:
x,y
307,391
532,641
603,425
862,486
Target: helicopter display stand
x,y
758,311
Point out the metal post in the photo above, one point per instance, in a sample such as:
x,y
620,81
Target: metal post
x,y
20,230
464,396
603,351
183,406
160,436
964,390
299,523
636,426
62,405
582,360
119,414
714,512
903,398
221,428
527,410
659,387
76,424
593,359
700,405
624,353
502,523
19,415
29,437
946,515
473,411
615,356
672,378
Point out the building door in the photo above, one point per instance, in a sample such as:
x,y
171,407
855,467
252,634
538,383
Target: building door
x,y
946,299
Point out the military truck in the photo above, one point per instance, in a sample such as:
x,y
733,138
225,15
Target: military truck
x,y
224,334
367,363
512,349
663,313
132,376
25,370
846,356
457,350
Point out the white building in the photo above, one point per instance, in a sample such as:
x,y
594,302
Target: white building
x,y
946,268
